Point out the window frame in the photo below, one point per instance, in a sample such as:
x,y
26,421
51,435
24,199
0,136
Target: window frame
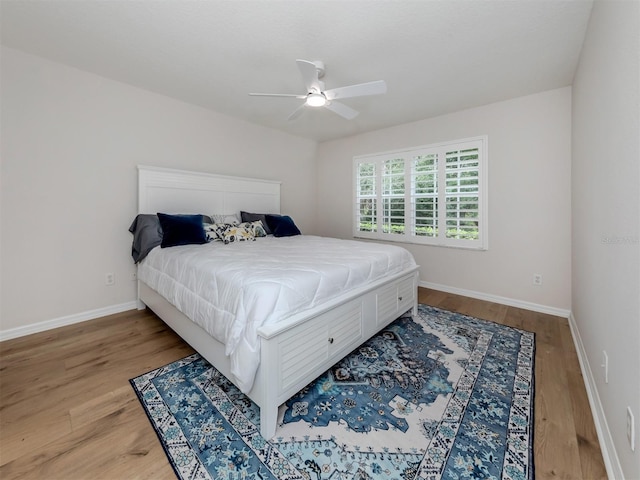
x,y
409,155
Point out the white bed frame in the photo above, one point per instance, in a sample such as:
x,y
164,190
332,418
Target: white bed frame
x,y
299,349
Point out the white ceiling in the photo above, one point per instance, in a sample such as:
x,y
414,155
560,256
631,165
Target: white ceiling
x,y
436,56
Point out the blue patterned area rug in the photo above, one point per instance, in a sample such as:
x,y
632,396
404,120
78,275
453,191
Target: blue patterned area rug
x,y
440,396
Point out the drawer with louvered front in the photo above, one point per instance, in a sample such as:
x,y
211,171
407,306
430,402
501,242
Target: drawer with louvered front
x,y
395,299
406,295
320,344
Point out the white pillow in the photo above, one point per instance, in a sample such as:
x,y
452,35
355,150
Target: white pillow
x,y
230,218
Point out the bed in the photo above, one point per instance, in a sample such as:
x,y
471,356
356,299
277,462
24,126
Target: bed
x,y
292,348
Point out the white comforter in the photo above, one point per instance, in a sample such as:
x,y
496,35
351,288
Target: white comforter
x,y
232,290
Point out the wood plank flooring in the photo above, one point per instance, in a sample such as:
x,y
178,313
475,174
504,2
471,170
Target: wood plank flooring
x,y
67,410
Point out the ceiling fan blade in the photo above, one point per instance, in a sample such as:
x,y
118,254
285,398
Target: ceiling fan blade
x,y
342,110
370,88
297,112
277,95
309,73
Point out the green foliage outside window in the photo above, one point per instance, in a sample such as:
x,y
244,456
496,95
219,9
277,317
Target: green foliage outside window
x,y
470,234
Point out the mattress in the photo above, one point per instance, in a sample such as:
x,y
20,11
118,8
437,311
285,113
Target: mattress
x,y
231,290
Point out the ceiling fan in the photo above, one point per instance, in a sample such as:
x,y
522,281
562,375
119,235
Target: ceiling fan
x,y
317,96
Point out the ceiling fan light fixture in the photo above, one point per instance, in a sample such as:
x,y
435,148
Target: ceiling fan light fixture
x,y
316,100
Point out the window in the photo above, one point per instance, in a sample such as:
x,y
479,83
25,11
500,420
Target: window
x,y
434,194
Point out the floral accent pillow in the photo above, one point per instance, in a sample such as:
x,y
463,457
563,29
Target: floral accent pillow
x,y
237,233
214,231
256,227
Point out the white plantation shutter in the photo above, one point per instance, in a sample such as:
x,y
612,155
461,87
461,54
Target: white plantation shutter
x,y
393,196
434,194
462,193
424,184
366,206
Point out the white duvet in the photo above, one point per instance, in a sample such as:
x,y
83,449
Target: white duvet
x,y
232,290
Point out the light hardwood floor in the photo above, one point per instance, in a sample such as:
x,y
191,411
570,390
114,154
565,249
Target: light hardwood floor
x,y
67,410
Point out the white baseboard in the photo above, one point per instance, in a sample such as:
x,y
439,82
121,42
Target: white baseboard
x,y
609,454
66,320
558,312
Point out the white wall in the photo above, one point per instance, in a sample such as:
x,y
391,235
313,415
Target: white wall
x,y
606,221
70,145
529,197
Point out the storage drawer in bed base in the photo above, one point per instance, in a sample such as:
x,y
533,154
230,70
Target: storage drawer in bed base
x,y
318,343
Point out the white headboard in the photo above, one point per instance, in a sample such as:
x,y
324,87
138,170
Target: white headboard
x,y
179,191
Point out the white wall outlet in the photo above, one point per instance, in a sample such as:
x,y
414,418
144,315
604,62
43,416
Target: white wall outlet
x,y
109,279
537,279
134,276
631,429
605,365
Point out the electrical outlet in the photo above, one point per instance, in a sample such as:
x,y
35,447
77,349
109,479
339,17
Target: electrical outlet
x,y
605,365
537,279
134,276
631,429
109,279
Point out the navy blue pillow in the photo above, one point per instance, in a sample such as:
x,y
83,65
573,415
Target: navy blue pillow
x,y
181,230
282,226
